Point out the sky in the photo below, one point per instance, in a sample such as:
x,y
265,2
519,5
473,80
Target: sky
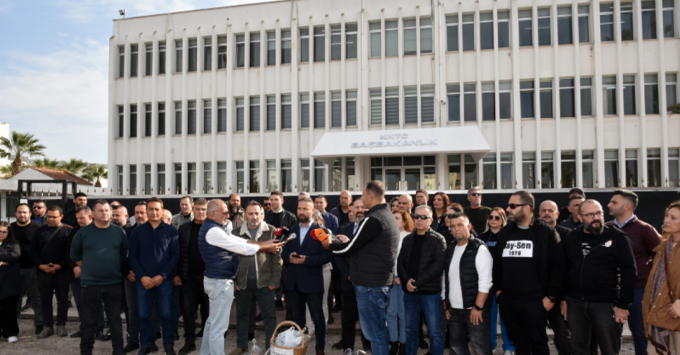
x,y
54,68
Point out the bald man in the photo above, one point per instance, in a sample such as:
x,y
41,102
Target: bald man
x,y
549,213
167,216
405,203
342,210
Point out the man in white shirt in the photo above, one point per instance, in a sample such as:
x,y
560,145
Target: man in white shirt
x,y
468,276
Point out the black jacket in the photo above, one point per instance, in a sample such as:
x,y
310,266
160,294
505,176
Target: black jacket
x,y
24,235
469,278
70,218
184,238
10,275
607,273
55,252
550,263
71,263
287,219
341,263
432,261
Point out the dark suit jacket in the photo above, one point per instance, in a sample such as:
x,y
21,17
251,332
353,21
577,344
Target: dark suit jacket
x,y
287,219
307,277
342,262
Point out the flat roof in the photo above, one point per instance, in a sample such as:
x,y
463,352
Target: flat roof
x,y
206,9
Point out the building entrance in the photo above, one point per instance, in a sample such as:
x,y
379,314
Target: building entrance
x,y
407,173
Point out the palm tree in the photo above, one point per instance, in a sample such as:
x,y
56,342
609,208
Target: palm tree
x,y
73,165
18,147
93,172
6,171
46,163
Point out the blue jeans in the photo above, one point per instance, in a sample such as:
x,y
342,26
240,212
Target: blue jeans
x,y
636,324
77,290
175,312
396,321
145,300
372,303
221,295
507,344
429,305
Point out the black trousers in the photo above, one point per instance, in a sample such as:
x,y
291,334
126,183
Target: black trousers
x,y
194,296
314,300
560,329
525,322
463,331
586,318
57,284
91,301
8,317
349,317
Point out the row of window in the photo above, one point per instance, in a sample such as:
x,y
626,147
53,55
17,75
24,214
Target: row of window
x,y
459,28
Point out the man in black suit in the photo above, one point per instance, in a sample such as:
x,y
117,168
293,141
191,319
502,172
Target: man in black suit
x,y
305,258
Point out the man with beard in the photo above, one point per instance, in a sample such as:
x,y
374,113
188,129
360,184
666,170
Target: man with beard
x,y
186,214
528,275
132,315
266,205
236,213
23,230
119,216
600,274
79,199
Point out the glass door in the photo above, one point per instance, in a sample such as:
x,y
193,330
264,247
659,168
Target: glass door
x,y
411,178
393,179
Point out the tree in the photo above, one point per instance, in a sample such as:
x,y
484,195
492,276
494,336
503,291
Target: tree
x,y
73,165
18,147
6,171
46,163
94,172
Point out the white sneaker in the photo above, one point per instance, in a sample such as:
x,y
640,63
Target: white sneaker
x,y
508,352
12,340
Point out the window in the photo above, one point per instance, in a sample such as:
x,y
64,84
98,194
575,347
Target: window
x,y
304,45
606,22
191,177
673,167
453,98
528,170
584,23
627,21
503,29
588,170
319,110
587,97
304,110
271,113
207,116
319,44
178,178
161,118
350,176
671,89
147,180
222,176
148,59
410,37
121,61
240,114
191,118
161,178
410,104
654,178
526,97
240,186
254,60
207,53
425,35
336,109
376,106
469,32
566,97
470,102
271,48
336,42
133,179
178,118
254,113
121,122
161,57
564,33
488,102
651,94
547,172
351,41
454,172
544,27
207,178
632,167
120,179
178,56
452,33
221,115
271,176
147,120
351,109
240,51
611,168
427,103
525,28
505,99
221,52
193,54
392,106
305,175
489,171
287,175
609,94
133,121
286,112
629,95
648,20
134,60
286,46
486,30
375,33
391,39
668,24
336,175
319,176
507,176
470,170
568,179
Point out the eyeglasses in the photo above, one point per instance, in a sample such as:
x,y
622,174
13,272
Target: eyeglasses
x,y
495,218
4,232
512,206
475,194
424,217
592,215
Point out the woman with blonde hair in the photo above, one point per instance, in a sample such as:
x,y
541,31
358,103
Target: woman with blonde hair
x,y
661,302
396,314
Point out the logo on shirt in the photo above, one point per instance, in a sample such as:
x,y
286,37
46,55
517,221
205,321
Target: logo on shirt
x,y
608,243
519,249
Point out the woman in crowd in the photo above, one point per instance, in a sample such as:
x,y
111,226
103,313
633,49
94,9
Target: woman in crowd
x,y
10,283
396,314
439,203
661,302
394,203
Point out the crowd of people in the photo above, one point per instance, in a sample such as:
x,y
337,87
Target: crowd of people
x,y
399,267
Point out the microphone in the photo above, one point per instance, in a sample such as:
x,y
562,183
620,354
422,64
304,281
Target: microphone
x,y
291,237
282,232
322,234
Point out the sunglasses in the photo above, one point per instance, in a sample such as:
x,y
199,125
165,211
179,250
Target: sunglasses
x,y
449,215
495,218
37,207
515,205
267,204
475,194
424,217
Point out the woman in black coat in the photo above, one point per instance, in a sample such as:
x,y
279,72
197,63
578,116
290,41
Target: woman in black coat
x,y
10,283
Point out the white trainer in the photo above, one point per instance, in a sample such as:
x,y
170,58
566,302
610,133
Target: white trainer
x,y
12,340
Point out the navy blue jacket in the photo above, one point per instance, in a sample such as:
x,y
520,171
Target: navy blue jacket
x,y
307,277
154,251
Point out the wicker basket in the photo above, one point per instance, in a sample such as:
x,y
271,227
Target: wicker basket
x,y
284,350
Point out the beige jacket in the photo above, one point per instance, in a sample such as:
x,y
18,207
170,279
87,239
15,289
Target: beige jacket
x,y
657,313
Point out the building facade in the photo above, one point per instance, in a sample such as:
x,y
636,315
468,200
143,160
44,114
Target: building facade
x,y
323,95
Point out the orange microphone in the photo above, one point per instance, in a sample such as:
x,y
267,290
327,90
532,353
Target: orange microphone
x,y
322,234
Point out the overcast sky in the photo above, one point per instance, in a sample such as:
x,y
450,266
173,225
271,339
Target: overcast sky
x,y
54,63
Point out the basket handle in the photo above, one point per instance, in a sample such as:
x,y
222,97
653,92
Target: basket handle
x,y
287,322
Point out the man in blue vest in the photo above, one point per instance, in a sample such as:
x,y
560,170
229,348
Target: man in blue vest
x,y
220,250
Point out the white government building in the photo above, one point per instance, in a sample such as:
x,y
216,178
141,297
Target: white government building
x,y
323,95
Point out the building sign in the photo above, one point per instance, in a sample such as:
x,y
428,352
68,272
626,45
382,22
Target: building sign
x,y
394,140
